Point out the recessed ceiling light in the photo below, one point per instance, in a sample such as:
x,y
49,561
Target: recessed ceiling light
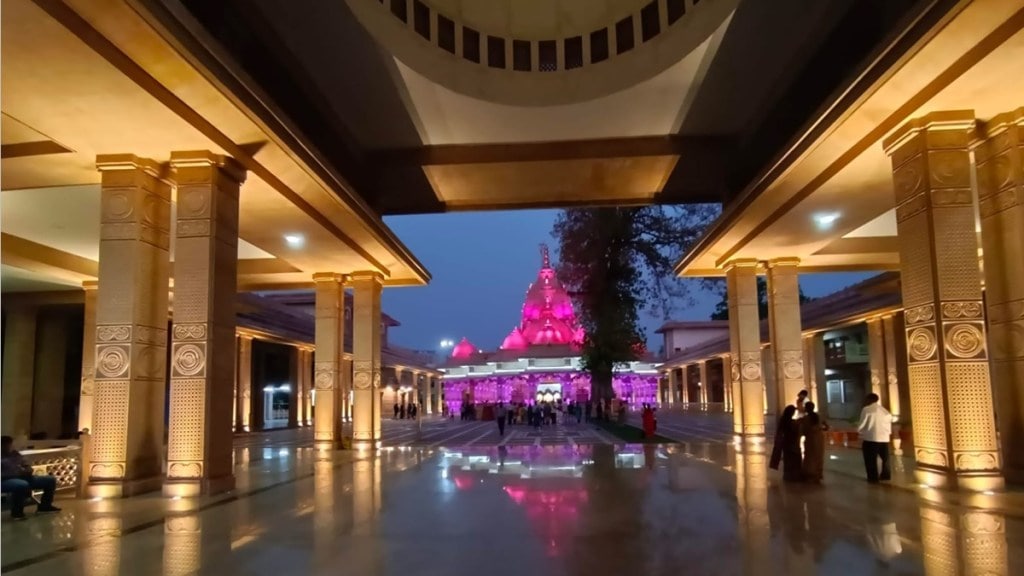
x,y
826,219
294,240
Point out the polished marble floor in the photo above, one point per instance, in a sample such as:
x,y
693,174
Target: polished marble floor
x,y
696,507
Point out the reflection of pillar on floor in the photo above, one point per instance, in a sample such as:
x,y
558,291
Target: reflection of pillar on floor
x,y
183,543
330,338
131,328
366,344
244,369
703,386
814,372
18,370
200,435
102,557
953,412
784,329
745,343
88,356
971,542
1000,159
751,471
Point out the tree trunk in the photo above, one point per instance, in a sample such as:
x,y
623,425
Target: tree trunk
x,y
601,387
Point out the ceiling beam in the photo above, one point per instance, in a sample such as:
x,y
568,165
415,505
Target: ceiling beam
x,y
545,151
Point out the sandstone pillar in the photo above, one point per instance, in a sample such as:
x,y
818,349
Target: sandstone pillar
x,y
891,381
346,388
200,435
876,357
673,385
1000,161
85,404
784,329
366,345
951,393
814,372
703,386
745,344
294,376
684,385
19,370
306,378
131,328
735,394
244,352
235,396
770,396
330,337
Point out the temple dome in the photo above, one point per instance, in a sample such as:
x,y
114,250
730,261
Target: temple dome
x,y
514,340
464,349
548,315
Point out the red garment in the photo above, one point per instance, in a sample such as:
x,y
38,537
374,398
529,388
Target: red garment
x,y
648,422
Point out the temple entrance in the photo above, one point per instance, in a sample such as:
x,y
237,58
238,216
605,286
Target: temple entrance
x,y
550,392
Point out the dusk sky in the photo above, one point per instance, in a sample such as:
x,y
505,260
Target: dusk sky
x,y
482,264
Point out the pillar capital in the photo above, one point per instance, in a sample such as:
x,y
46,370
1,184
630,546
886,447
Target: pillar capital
x,y
952,128
116,162
206,159
319,277
362,276
742,263
788,261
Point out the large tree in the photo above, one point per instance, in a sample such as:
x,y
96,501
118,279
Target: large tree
x,y
617,261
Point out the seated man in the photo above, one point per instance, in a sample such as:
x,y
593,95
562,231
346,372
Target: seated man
x,y
18,481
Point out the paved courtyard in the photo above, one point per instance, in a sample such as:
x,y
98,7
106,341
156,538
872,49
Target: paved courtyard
x,y
449,498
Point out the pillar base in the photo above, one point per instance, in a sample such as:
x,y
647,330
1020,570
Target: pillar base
x,y
322,446
123,488
198,487
970,482
364,445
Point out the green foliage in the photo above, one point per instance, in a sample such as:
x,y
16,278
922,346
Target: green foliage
x,y
722,308
614,261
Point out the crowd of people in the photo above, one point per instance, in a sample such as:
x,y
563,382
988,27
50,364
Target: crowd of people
x,y
404,411
800,422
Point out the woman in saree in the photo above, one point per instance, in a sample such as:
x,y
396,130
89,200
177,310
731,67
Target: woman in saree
x,y
787,446
812,428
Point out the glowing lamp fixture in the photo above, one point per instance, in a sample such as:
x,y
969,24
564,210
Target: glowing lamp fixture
x,y
294,240
825,220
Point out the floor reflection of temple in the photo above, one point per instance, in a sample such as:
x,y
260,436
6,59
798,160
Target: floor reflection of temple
x,y
539,361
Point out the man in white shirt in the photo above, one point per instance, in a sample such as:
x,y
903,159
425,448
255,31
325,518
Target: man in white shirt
x,y
875,431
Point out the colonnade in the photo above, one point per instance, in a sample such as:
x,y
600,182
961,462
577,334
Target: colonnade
x,y
124,367
947,167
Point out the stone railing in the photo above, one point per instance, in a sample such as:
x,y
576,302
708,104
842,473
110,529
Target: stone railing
x,y
61,459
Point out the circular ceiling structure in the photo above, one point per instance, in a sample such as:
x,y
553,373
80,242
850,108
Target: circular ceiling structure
x,y
540,52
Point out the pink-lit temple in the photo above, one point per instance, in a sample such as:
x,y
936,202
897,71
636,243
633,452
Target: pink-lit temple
x,y
539,359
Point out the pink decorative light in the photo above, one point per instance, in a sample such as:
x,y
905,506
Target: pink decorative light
x,y
464,349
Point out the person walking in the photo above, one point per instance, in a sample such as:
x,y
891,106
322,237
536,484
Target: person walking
x,y
501,415
875,430
396,410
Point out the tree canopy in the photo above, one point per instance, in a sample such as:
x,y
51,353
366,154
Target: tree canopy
x,y
616,262
722,308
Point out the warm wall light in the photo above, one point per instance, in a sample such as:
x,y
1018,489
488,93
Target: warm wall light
x,y
294,240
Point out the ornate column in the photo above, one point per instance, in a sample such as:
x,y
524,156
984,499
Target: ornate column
x,y
366,344
769,389
784,329
330,337
294,375
235,397
346,388
735,394
891,382
200,435
1000,160
814,371
306,368
244,423
745,344
131,328
300,387
876,356
702,384
673,386
88,356
953,414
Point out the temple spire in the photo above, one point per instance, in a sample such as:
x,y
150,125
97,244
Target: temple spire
x,y
545,259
